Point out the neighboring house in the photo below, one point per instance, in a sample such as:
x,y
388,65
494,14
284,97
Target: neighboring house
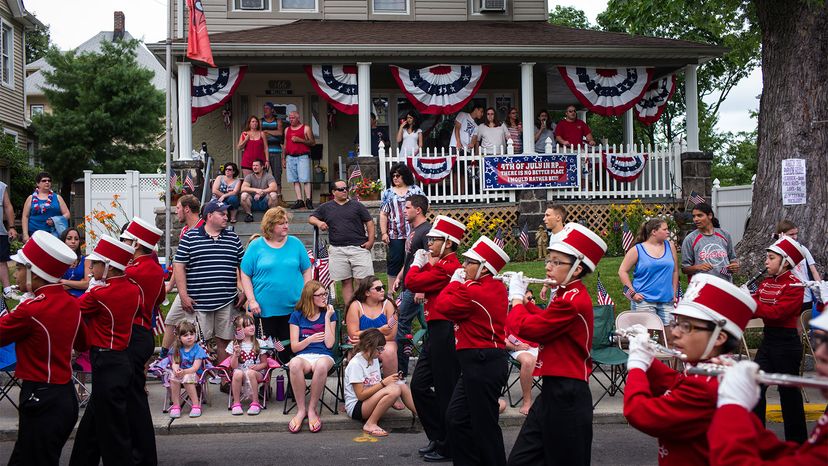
x,y
14,22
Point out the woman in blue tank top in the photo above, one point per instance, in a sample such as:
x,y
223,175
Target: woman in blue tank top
x,y
653,261
370,308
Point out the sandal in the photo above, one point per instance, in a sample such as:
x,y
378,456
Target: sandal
x,y
236,409
254,409
315,427
378,432
294,428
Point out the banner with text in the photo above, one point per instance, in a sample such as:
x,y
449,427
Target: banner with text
x,y
530,171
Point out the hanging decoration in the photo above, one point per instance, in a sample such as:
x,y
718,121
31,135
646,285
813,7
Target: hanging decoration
x,y
624,167
649,109
430,170
337,84
213,87
440,89
607,91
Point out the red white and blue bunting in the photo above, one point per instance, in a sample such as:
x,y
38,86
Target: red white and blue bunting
x,y
649,109
624,167
430,170
337,84
607,91
440,89
212,87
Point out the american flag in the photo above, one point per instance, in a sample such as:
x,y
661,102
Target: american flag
x,y
323,274
356,173
278,346
679,295
523,238
310,256
498,239
173,180
603,297
696,198
628,292
189,183
158,328
627,238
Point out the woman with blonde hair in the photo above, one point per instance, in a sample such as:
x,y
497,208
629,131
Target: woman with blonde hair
x,y
273,270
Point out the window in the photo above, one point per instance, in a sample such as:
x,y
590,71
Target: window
x,y
288,5
391,6
251,5
8,133
35,109
6,54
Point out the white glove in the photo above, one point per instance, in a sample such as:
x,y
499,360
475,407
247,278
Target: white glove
x,y
459,275
739,386
638,329
641,352
420,258
823,291
745,289
517,286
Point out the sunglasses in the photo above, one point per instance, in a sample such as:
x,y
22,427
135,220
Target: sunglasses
x,y
342,190
396,175
45,180
530,298
379,288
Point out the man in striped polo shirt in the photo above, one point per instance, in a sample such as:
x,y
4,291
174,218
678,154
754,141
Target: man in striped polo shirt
x,y
207,274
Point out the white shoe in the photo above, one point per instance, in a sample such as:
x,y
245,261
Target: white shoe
x,y
214,380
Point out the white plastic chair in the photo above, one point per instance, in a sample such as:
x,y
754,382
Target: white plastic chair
x,y
651,321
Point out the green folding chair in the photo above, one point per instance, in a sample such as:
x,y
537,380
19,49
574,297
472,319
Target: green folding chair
x,y
609,363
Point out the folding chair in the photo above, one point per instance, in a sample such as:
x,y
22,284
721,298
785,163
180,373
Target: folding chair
x,y
8,361
201,386
514,364
606,356
652,322
807,347
756,323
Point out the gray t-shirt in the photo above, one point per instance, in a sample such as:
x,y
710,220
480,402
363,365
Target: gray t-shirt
x,y
716,250
259,182
416,240
346,222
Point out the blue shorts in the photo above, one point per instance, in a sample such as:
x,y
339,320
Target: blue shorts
x,y
259,205
298,168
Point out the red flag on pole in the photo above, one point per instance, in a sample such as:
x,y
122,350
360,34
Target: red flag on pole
x,y
198,43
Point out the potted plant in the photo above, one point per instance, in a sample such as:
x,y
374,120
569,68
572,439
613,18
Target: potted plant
x,y
366,190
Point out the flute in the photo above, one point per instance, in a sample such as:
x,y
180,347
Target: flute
x,y
755,278
506,276
627,333
785,380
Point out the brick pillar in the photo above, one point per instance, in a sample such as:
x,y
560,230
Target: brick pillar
x,y
695,174
531,206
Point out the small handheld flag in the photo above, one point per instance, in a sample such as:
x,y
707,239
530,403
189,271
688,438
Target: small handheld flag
x,y
603,296
627,239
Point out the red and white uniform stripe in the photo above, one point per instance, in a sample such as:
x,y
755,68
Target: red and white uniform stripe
x,y
431,280
149,276
478,310
109,310
777,302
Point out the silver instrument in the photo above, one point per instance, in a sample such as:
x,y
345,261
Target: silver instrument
x,y
506,276
629,333
784,380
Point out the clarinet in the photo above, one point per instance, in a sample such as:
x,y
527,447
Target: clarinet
x,y
755,278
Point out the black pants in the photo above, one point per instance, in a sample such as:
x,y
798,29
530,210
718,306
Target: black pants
x,y
278,327
558,429
275,160
141,347
437,367
103,432
408,311
47,415
781,352
472,417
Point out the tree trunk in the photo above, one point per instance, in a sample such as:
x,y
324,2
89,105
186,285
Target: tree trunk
x,y
793,123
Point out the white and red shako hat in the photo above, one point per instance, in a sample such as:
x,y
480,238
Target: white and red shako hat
x,y
488,254
142,231
48,257
579,241
113,252
789,249
447,227
717,300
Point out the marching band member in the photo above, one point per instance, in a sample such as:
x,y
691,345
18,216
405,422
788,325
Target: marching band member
x,y
103,433
477,304
558,429
737,438
437,365
779,304
147,273
45,328
677,407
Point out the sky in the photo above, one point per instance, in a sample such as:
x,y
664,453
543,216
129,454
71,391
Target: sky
x,y
146,20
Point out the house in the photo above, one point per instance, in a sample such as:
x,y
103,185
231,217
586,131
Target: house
x,y
15,21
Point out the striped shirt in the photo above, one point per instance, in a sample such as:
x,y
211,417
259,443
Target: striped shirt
x,y
393,205
211,266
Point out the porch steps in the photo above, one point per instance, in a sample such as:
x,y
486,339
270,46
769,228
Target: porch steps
x,y
299,226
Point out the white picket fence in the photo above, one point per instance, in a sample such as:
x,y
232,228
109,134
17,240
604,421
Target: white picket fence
x,y
661,176
731,204
137,193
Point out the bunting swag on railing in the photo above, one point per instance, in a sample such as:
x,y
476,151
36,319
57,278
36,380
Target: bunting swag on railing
x,y
212,87
624,167
440,89
649,109
430,170
607,91
337,84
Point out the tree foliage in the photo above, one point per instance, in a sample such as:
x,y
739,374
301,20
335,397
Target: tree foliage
x,y
570,17
106,114
37,43
22,174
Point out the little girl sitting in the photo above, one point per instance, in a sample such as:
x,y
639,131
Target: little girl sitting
x,y
248,361
367,395
186,359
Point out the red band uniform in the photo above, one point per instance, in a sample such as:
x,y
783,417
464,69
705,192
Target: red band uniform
x,y
44,328
558,429
109,309
437,365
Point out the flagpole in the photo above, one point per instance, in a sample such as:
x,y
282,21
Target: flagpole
x,y
167,161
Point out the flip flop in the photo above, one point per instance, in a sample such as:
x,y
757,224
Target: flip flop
x,y
315,427
294,429
378,432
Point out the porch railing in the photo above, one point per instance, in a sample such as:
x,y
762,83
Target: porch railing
x,y
661,177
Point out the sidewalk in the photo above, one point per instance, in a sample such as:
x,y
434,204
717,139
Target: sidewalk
x,y
216,416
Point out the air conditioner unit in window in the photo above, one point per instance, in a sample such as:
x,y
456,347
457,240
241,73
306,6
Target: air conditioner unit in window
x,y
492,6
252,5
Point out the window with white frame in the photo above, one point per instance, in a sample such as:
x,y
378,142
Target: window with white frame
x,y
6,54
391,6
298,5
35,109
8,133
251,5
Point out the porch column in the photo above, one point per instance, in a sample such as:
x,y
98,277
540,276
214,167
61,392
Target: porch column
x,y
185,124
364,89
582,114
691,93
527,105
628,128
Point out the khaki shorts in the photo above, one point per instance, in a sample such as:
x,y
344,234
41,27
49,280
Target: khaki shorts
x,y
176,314
218,323
350,261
